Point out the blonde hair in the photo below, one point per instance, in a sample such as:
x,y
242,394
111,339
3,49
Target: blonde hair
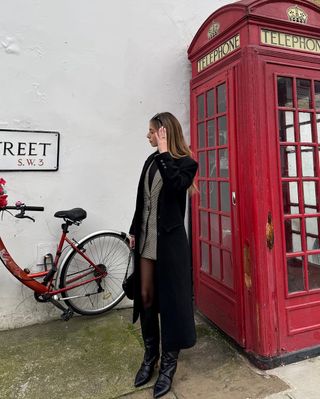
x,y
177,145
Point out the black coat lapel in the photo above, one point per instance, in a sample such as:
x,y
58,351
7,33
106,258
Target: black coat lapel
x,y
143,174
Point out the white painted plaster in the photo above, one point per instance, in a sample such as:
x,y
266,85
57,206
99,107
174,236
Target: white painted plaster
x,y
10,45
95,71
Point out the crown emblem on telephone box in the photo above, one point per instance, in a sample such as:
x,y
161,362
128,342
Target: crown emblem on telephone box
x,y
213,30
296,14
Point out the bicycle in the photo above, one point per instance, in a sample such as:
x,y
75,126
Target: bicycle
x,y
89,278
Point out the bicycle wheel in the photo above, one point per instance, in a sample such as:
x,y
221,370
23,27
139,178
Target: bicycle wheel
x,y
112,253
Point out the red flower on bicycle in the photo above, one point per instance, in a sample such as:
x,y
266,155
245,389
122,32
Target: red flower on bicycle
x,y
3,201
3,196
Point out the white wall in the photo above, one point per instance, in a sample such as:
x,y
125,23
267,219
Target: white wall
x,y
95,71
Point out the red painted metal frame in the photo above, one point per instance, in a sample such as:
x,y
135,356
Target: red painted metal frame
x,y
17,272
28,279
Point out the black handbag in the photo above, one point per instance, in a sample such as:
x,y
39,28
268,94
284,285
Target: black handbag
x,y
128,281
128,285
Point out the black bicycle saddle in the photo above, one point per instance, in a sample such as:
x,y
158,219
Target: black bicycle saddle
x,y
75,214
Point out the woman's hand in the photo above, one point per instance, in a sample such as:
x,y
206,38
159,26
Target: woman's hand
x,y
161,136
132,242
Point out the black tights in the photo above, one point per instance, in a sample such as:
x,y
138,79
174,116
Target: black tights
x,y
149,314
147,272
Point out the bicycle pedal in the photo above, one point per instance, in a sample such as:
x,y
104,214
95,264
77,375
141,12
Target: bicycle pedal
x,y
67,314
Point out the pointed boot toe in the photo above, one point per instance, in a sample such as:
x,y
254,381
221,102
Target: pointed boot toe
x,y
145,373
143,376
168,368
162,386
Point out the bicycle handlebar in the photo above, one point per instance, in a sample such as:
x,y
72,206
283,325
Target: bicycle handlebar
x,y
22,208
25,207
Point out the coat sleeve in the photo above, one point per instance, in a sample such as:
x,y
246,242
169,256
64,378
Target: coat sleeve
x,y
177,177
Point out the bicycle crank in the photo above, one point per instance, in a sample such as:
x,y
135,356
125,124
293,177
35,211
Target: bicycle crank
x,y
67,313
42,298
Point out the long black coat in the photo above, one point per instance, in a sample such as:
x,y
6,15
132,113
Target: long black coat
x,y
173,265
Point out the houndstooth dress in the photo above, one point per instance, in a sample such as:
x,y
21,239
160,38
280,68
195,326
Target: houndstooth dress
x,y
148,237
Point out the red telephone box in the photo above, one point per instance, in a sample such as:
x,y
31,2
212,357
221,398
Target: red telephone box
x,y
255,131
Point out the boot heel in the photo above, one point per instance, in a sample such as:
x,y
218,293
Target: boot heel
x,y
156,365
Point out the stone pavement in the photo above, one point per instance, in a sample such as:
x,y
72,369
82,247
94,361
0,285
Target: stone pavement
x,y
302,377
97,357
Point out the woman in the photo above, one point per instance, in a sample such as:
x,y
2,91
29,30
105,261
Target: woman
x,y
163,276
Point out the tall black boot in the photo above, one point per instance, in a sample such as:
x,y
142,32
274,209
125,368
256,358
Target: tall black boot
x,y
168,367
150,333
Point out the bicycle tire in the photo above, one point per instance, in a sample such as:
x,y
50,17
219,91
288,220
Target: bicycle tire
x,y
110,249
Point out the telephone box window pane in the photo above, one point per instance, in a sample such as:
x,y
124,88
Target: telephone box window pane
x,y
222,127
295,274
304,93
201,135
310,199
226,232
317,94
202,164
305,127
286,126
288,161
312,233
227,269
307,161
222,98
204,224
213,190
314,271
294,209
204,257
210,103
216,263
203,194
212,163
214,226
318,127
211,134
200,101
224,163
225,197
290,197
293,235
285,92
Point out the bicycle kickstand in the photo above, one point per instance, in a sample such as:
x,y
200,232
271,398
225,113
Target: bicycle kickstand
x,y
67,313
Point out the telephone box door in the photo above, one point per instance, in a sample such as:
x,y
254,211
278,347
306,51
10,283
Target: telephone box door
x,y
215,222
294,137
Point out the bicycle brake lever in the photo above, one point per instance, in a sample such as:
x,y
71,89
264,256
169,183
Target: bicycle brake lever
x,y
19,216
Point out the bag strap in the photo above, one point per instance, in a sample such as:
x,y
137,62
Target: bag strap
x,y
129,261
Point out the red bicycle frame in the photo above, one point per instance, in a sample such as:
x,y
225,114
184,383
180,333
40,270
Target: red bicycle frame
x,y
29,279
